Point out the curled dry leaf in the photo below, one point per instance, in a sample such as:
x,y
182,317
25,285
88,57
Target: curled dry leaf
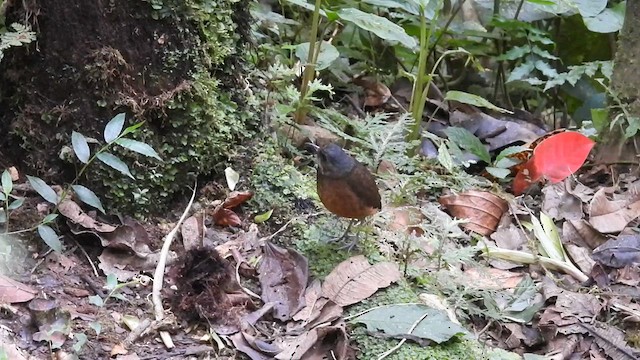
x,y
236,198
482,209
407,219
12,291
354,280
283,275
75,214
376,93
610,216
226,217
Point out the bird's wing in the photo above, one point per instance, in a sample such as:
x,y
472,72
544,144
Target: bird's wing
x,y
364,186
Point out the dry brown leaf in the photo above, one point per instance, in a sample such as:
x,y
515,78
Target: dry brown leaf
x,y
490,278
482,209
611,216
620,252
328,342
12,291
559,203
236,198
407,219
192,232
354,280
581,233
75,214
226,217
283,275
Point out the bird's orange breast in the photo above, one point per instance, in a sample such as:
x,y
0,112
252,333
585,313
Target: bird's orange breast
x,y
339,198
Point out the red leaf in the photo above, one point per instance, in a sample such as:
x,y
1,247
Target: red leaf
x,y
555,158
561,155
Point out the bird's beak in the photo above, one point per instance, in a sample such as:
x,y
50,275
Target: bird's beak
x,y
312,148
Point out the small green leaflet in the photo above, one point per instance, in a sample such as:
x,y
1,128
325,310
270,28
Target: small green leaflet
x,y
80,147
43,189
139,147
50,237
114,162
466,140
7,183
475,100
114,128
88,197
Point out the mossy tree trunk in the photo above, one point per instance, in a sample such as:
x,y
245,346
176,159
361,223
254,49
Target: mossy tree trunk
x,y
626,85
175,64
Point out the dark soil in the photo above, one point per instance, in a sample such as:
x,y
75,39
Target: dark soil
x,y
91,60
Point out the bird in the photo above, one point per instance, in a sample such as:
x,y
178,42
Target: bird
x,y
345,186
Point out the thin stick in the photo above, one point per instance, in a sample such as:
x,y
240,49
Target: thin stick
x,y
158,276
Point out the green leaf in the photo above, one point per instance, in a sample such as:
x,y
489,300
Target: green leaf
x,y
521,71
139,147
43,189
232,178
3,197
7,183
399,319
81,339
306,5
96,326
96,300
112,281
49,218
80,147
608,21
498,172
114,162
114,127
590,8
16,204
88,197
3,216
378,25
132,128
510,151
474,100
328,54
50,238
466,140
600,117
263,217
515,53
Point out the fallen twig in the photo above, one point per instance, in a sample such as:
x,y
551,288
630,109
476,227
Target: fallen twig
x,y
158,276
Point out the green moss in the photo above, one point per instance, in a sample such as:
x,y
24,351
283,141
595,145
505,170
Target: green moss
x,y
195,128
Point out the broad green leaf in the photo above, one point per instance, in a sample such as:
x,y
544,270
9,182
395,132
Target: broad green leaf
x,y
263,217
96,300
445,159
88,197
139,147
114,127
7,183
3,216
50,237
49,218
3,197
16,204
81,339
43,189
328,54
132,128
543,53
306,5
400,319
590,8
542,2
466,140
114,162
608,21
378,25
474,100
96,326
80,147
499,173
112,281
546,69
